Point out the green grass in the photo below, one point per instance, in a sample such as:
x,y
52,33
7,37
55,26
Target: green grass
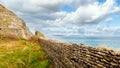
x,y
22,54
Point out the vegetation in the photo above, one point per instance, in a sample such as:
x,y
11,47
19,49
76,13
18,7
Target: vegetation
x,y
20,53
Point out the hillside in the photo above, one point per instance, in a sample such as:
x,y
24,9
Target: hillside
x,y
18,47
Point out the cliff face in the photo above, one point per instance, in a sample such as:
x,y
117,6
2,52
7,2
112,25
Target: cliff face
x,y
11,24
39,34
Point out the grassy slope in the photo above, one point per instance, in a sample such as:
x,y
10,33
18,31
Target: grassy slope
x,y
22,54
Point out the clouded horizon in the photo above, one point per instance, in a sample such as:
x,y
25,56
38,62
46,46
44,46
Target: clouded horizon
x,y
69,18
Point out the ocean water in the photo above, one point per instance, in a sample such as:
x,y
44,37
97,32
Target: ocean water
x,y
94,42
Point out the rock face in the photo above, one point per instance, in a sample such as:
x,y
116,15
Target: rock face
x,y
68,55
39,34
11,24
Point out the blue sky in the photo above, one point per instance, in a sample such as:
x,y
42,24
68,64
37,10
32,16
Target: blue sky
x,y
69,18
67,8
102,1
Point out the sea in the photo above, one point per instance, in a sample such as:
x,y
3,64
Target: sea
x,y
112,42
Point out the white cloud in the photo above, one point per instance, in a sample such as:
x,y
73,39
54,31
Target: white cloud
x,y
108,19
87,32
92,13
87,12
34,6
77,3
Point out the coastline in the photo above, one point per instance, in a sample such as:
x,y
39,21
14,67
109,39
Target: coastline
x,y
111,43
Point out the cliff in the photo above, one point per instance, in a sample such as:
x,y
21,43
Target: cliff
x,y
13,25
69,55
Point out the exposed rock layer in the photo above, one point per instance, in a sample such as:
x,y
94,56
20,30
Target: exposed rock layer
x,y
11,24
39,34
68,55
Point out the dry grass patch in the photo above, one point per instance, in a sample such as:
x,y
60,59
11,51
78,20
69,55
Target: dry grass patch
x,y
22,54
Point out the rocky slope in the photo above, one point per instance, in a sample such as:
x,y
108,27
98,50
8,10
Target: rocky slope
x,y
68,55
11,24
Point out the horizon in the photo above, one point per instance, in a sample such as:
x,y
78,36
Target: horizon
x,y
68,18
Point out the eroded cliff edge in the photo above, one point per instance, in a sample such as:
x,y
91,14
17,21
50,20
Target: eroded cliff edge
x,y
69,55
10,24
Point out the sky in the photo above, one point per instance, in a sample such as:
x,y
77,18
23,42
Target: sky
x,y
69,18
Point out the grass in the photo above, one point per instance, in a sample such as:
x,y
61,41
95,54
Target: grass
x,y
22,54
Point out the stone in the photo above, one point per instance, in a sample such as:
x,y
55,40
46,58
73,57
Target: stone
x,y
39,34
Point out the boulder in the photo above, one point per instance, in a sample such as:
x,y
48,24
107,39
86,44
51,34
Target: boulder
x,y
39,34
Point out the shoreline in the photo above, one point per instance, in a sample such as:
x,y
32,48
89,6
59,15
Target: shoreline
x,y
106,43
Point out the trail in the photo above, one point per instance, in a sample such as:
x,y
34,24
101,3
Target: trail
x,y
69,55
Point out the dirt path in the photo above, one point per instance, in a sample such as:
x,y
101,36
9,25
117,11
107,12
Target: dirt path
x,y
68,55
